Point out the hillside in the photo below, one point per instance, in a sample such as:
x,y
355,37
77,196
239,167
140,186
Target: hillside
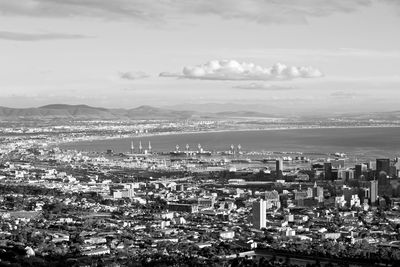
x,y
84,112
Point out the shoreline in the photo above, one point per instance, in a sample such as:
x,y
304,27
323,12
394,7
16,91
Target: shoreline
x,y
102,138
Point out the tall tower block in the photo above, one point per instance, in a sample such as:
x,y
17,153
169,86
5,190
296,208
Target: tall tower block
x,y
260,214
328,170
382,165
373,191
279,168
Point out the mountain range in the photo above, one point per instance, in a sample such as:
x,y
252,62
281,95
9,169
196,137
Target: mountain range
x,y
85,112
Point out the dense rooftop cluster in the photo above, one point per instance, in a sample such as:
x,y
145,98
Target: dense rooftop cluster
x,y
73,208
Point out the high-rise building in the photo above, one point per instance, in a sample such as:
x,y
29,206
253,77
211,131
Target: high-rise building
x,y
279,168
373,191
382,165
328,170
318,193
334,174
260,214
358,171
397,167
371,165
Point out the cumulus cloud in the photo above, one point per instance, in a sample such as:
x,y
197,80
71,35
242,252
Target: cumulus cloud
x,y
272,11
18,36
261,86
234,70
133,75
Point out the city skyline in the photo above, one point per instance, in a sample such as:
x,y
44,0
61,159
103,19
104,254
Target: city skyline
x,y
296,58
200,133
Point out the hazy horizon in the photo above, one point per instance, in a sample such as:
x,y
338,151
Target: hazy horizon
x,y
317,56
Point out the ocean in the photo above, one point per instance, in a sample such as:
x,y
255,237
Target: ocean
x,y
358,142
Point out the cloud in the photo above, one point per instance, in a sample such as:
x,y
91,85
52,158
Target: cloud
x,y
18,36
271,11
71,8
261,86
234,70
139,10
133,75
169,74
275,11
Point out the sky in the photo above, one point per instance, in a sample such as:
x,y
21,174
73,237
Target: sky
x,y
289,56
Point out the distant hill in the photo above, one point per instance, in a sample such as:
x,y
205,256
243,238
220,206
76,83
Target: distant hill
x,y
148,112
56,111
84,112
269,107
243,114
65,106
361,116
387,116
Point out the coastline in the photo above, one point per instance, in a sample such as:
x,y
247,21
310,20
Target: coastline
x,y
104,138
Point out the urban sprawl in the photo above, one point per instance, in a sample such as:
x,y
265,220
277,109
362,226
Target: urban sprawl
x,y
192,207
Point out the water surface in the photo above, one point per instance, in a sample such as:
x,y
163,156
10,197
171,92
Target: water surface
x,y
369,142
